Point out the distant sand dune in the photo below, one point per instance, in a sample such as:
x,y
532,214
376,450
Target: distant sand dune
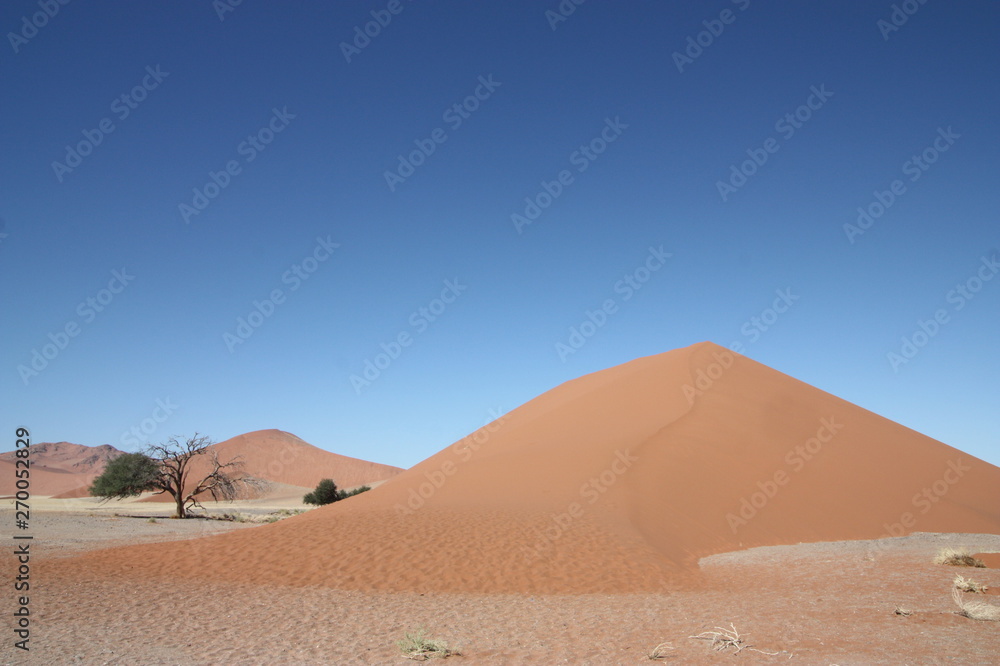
x,y
57,468
44,482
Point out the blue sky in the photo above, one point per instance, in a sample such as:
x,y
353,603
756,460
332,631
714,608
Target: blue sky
x,y
619,123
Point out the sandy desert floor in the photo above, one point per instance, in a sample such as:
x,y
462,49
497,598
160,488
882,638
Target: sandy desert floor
x,y
828,603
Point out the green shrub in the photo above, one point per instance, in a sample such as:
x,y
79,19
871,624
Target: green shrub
x,y
326,493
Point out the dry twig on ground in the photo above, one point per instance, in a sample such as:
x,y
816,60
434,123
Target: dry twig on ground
x,y
968,585
659,652
723,639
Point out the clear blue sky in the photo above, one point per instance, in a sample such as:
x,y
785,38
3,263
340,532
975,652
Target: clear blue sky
x,y
633,140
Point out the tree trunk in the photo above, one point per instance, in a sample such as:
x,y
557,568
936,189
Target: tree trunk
x,y
179,498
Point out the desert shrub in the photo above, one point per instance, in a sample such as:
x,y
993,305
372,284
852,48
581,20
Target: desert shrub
x,y
415,645
326,493
957,557
975,610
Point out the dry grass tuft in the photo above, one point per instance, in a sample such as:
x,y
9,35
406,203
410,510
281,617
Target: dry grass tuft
x,y
975,610
969,585
723,639
659,652
957,557
415,645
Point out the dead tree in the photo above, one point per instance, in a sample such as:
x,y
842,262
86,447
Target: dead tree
x,y
224,481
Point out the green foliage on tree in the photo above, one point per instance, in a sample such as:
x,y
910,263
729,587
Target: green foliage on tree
x,y
326,493
128,475
356,491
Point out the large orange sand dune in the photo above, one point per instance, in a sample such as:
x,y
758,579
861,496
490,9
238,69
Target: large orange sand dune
x,y
614,482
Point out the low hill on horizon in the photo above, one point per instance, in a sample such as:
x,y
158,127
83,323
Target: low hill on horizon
x,y
67,457
57,467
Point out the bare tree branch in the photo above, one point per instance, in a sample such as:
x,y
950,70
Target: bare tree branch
x,y
224,481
